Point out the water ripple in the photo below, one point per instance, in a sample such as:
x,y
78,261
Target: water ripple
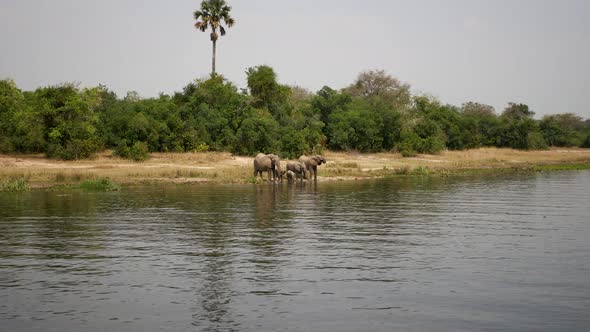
x,y
498,253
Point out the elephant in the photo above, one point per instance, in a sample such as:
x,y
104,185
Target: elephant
x,y
311,164
282,174
297,168
290,176
265,163
278,172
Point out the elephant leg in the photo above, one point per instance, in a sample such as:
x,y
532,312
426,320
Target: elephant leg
x,y
315,173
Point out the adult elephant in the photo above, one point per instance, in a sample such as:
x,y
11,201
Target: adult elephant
x,y
311,164
297,168
265,163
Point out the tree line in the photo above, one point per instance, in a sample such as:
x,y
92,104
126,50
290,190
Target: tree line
x,y
375,113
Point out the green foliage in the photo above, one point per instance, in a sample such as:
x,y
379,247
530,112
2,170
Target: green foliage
x,y
328,101
407,146
15,185
137,151
421,171
357,128
516,111
521,133
375,113
425,136
563,129
377,83
67,121
293,143
11,102
535,141
100,184
267,93
412,143
481,123
201,147
20,129
258,133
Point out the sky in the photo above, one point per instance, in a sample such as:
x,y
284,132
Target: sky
x,y
535,52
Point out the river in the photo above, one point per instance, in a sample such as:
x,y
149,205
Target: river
x,y
482,253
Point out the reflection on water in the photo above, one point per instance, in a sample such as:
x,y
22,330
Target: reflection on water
x,y
499,253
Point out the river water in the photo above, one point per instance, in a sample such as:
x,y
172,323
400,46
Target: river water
x,y
493,253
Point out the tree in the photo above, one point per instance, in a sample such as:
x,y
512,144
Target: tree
x,y
12,101
516,111
211,14
377,83
259,132
477,110
327,101
267,93
563,129
69,120
357,128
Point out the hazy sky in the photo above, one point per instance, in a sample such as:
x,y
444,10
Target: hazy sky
x,y
490,51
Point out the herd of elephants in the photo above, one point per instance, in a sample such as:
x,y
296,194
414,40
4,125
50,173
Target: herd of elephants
x,y
270,163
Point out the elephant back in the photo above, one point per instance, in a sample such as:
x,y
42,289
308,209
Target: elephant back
x,y
305,161
262,162
293,166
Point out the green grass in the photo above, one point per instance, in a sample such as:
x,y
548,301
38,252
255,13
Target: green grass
x,y
100,184
15,185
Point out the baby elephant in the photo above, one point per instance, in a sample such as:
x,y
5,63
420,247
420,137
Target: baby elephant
x,y
297,168
290,176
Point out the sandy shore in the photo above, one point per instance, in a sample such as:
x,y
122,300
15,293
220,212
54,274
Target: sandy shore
x,y
226,168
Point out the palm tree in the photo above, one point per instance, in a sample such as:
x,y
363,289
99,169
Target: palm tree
x,y
211,14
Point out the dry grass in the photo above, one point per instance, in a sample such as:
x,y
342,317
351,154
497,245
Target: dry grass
x,y
224,167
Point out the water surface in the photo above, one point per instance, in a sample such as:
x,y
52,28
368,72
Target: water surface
x,y
494,253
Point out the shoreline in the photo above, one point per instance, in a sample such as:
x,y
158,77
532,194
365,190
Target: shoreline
x,y
40,172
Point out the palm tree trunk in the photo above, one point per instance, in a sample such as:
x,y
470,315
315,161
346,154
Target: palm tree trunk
x,y
214,42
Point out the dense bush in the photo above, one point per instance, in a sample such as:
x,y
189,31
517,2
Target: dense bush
x,y
375,113
137,151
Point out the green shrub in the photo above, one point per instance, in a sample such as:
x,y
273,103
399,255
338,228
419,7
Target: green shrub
x,y
14,185
72,150
432,144
100,184
421,170
535,141
406,149
138,151
201,147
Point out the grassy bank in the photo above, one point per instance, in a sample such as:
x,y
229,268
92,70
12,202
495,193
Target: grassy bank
x,y
36,171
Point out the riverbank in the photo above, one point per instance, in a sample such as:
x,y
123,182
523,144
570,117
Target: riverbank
x,y
40,172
